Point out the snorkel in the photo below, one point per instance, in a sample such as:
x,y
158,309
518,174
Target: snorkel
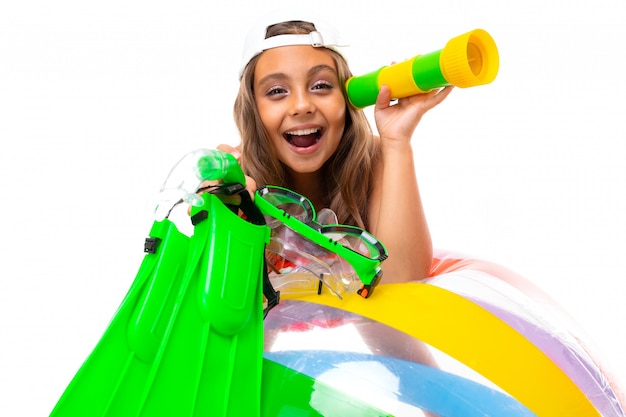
x,y
344,259
188,174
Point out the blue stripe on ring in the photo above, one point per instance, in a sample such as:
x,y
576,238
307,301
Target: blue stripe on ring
x,y
421,386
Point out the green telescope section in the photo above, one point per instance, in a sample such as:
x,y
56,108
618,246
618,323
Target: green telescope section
x,y
466,61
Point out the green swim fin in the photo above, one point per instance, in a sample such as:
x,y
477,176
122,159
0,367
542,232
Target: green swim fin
x,y
187,340
126,352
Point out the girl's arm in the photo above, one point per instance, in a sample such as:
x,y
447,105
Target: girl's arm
x,y
396,214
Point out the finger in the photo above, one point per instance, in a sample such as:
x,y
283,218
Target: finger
x,y
443,93
437,96
384,98
251,186
231,150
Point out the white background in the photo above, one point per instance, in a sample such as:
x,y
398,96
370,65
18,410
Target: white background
x,y
98,100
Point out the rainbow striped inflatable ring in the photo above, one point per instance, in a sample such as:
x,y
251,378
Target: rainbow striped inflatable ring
x,y
474,339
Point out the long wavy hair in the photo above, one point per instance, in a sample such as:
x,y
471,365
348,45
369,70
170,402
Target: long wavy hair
x,y
349,170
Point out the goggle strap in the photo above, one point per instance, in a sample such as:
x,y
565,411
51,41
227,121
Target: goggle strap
x,y
252,212
271,295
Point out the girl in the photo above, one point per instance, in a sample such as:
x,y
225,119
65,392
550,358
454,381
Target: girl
x,y
299,131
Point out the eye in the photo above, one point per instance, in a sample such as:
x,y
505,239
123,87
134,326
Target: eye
x,y
322,85
275,91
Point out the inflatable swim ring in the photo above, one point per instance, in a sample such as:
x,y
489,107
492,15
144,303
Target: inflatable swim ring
x,y
189,338
474,339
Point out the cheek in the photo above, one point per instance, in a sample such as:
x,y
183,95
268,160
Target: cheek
x,y
339,118
263,110
270,121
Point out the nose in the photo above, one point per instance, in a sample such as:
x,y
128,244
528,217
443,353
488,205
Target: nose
x,y
301,102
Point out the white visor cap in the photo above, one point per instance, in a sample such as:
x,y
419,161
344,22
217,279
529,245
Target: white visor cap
x,y
324,36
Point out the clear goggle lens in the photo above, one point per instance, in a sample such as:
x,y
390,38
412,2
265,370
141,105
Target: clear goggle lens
x,y
300,208
308,248
299,266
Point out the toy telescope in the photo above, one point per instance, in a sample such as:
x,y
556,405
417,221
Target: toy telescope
x,y
466,61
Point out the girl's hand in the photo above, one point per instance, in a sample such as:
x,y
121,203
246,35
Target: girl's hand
x,y
231,150
250,183
398,121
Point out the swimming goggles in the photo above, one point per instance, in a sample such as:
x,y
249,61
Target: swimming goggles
x,y
355,246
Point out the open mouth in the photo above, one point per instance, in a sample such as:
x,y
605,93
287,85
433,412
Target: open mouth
x,y
303,138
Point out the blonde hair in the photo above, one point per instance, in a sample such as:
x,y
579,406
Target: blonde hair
x,y
349,170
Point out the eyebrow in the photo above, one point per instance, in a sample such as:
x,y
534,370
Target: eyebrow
x,y
320,68
282,76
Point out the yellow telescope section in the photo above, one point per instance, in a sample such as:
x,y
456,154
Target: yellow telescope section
x,y
467,60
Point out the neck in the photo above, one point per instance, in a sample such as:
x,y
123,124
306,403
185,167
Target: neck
x,y
311,185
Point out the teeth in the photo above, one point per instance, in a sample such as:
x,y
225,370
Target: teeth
x,y
303,132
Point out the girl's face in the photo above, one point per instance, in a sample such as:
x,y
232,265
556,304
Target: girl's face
x,y
301,104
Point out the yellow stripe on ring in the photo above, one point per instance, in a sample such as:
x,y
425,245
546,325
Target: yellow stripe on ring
x,y
475,337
